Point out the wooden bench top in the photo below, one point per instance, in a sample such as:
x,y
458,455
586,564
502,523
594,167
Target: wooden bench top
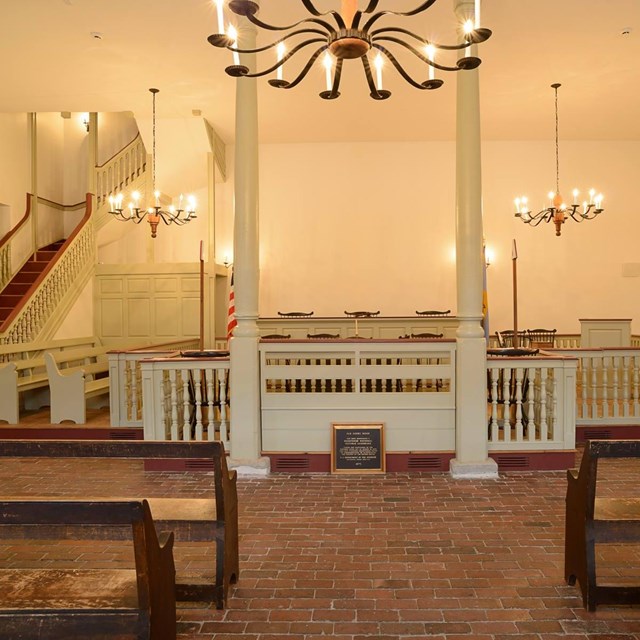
x,y
617,509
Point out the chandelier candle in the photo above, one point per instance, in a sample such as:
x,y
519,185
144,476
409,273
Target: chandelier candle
x,y
351,33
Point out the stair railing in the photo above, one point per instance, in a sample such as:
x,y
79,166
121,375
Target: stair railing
x,y
13,236
38,305
120,170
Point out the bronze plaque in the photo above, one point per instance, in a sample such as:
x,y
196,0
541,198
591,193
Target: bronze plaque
x,y
357,448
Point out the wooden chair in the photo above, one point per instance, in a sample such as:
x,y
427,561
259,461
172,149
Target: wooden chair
x,y
433,313
276,336
362,314
542,338
323,336
427,335
505,338
295,314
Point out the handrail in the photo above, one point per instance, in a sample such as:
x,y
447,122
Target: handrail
x,y
47,270
59,205
6,271
129,144
25,217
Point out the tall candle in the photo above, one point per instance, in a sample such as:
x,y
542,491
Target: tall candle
x,y
220,16
431,52
328,63
233,35
378,65
281,49
477,13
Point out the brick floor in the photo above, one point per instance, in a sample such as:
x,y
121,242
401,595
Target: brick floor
x,y
388,557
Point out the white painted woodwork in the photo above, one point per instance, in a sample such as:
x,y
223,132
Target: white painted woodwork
x,y
147,303
605,332
71,388
531,403
185,399
306,386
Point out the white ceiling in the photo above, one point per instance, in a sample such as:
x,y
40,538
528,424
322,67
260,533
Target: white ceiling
x,y
51,62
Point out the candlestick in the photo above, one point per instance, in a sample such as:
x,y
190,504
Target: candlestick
x,y
431,52
220,16
328,63
378,65
281,49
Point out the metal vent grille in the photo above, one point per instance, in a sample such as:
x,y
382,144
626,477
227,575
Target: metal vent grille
x,y
203,465
292,463
430,463
597,434
513,462
123,435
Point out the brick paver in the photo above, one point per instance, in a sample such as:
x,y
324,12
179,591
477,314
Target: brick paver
x,y
390,557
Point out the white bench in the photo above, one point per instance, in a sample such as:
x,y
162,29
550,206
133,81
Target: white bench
x,y
70,387
23,372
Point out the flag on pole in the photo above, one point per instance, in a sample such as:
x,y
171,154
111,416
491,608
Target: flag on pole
x,y
231,315
485,295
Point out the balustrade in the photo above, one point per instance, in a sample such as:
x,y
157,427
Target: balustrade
x,y
531,402
185,398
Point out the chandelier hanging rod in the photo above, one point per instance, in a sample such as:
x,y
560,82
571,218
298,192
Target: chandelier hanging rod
x,y
346,40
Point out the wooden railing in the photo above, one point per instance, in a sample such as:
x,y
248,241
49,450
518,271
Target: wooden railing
x,y
120,170
531,402
408,385
7,269
608,385
125,379
185,398
39,303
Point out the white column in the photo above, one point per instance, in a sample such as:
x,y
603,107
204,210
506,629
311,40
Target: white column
x,y
471,459
92,150
32,124
245,372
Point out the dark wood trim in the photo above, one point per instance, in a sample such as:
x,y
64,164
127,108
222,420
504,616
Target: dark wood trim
x,y
24,218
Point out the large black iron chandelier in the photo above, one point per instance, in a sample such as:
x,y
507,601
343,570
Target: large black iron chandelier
x,y
185,212
354,35
558,210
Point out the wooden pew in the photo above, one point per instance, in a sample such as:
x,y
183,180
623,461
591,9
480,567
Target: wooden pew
x,y
592,520
214,518
70,387
57,604
22,372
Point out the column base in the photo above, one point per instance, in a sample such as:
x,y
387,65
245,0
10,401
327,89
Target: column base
x,y
486,470
251,468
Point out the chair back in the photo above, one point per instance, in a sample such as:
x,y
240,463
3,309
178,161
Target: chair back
x,y
505,338
542,338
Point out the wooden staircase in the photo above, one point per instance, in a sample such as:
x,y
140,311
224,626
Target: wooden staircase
x,y
20,284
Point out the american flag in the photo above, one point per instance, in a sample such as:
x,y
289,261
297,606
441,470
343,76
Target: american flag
x,y
231,315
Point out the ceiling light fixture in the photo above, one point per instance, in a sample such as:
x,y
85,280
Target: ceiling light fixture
x,y
352,37
154,214
558,210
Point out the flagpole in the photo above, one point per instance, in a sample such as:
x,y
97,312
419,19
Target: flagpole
x,y
201,297
514,261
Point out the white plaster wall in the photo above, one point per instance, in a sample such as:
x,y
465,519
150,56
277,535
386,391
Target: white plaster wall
x,y
79,321
115,131
75,157
372,226
15,171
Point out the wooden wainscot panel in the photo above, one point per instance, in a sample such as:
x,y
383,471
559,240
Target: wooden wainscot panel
x,y
111,320
166,317
138,285
111,285
357,448
190,316
138,317
166,285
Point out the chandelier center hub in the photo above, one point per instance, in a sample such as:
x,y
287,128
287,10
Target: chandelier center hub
x,y
349,43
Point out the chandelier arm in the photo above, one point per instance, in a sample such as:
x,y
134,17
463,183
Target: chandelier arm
x,y
405,14
446,47
271,27
413,50
304,71
289,54
312,10
399,67
337,75
277,42
371,7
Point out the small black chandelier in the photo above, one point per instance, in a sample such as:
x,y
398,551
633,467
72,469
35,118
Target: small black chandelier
x,y
353,36
153,213
558,210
